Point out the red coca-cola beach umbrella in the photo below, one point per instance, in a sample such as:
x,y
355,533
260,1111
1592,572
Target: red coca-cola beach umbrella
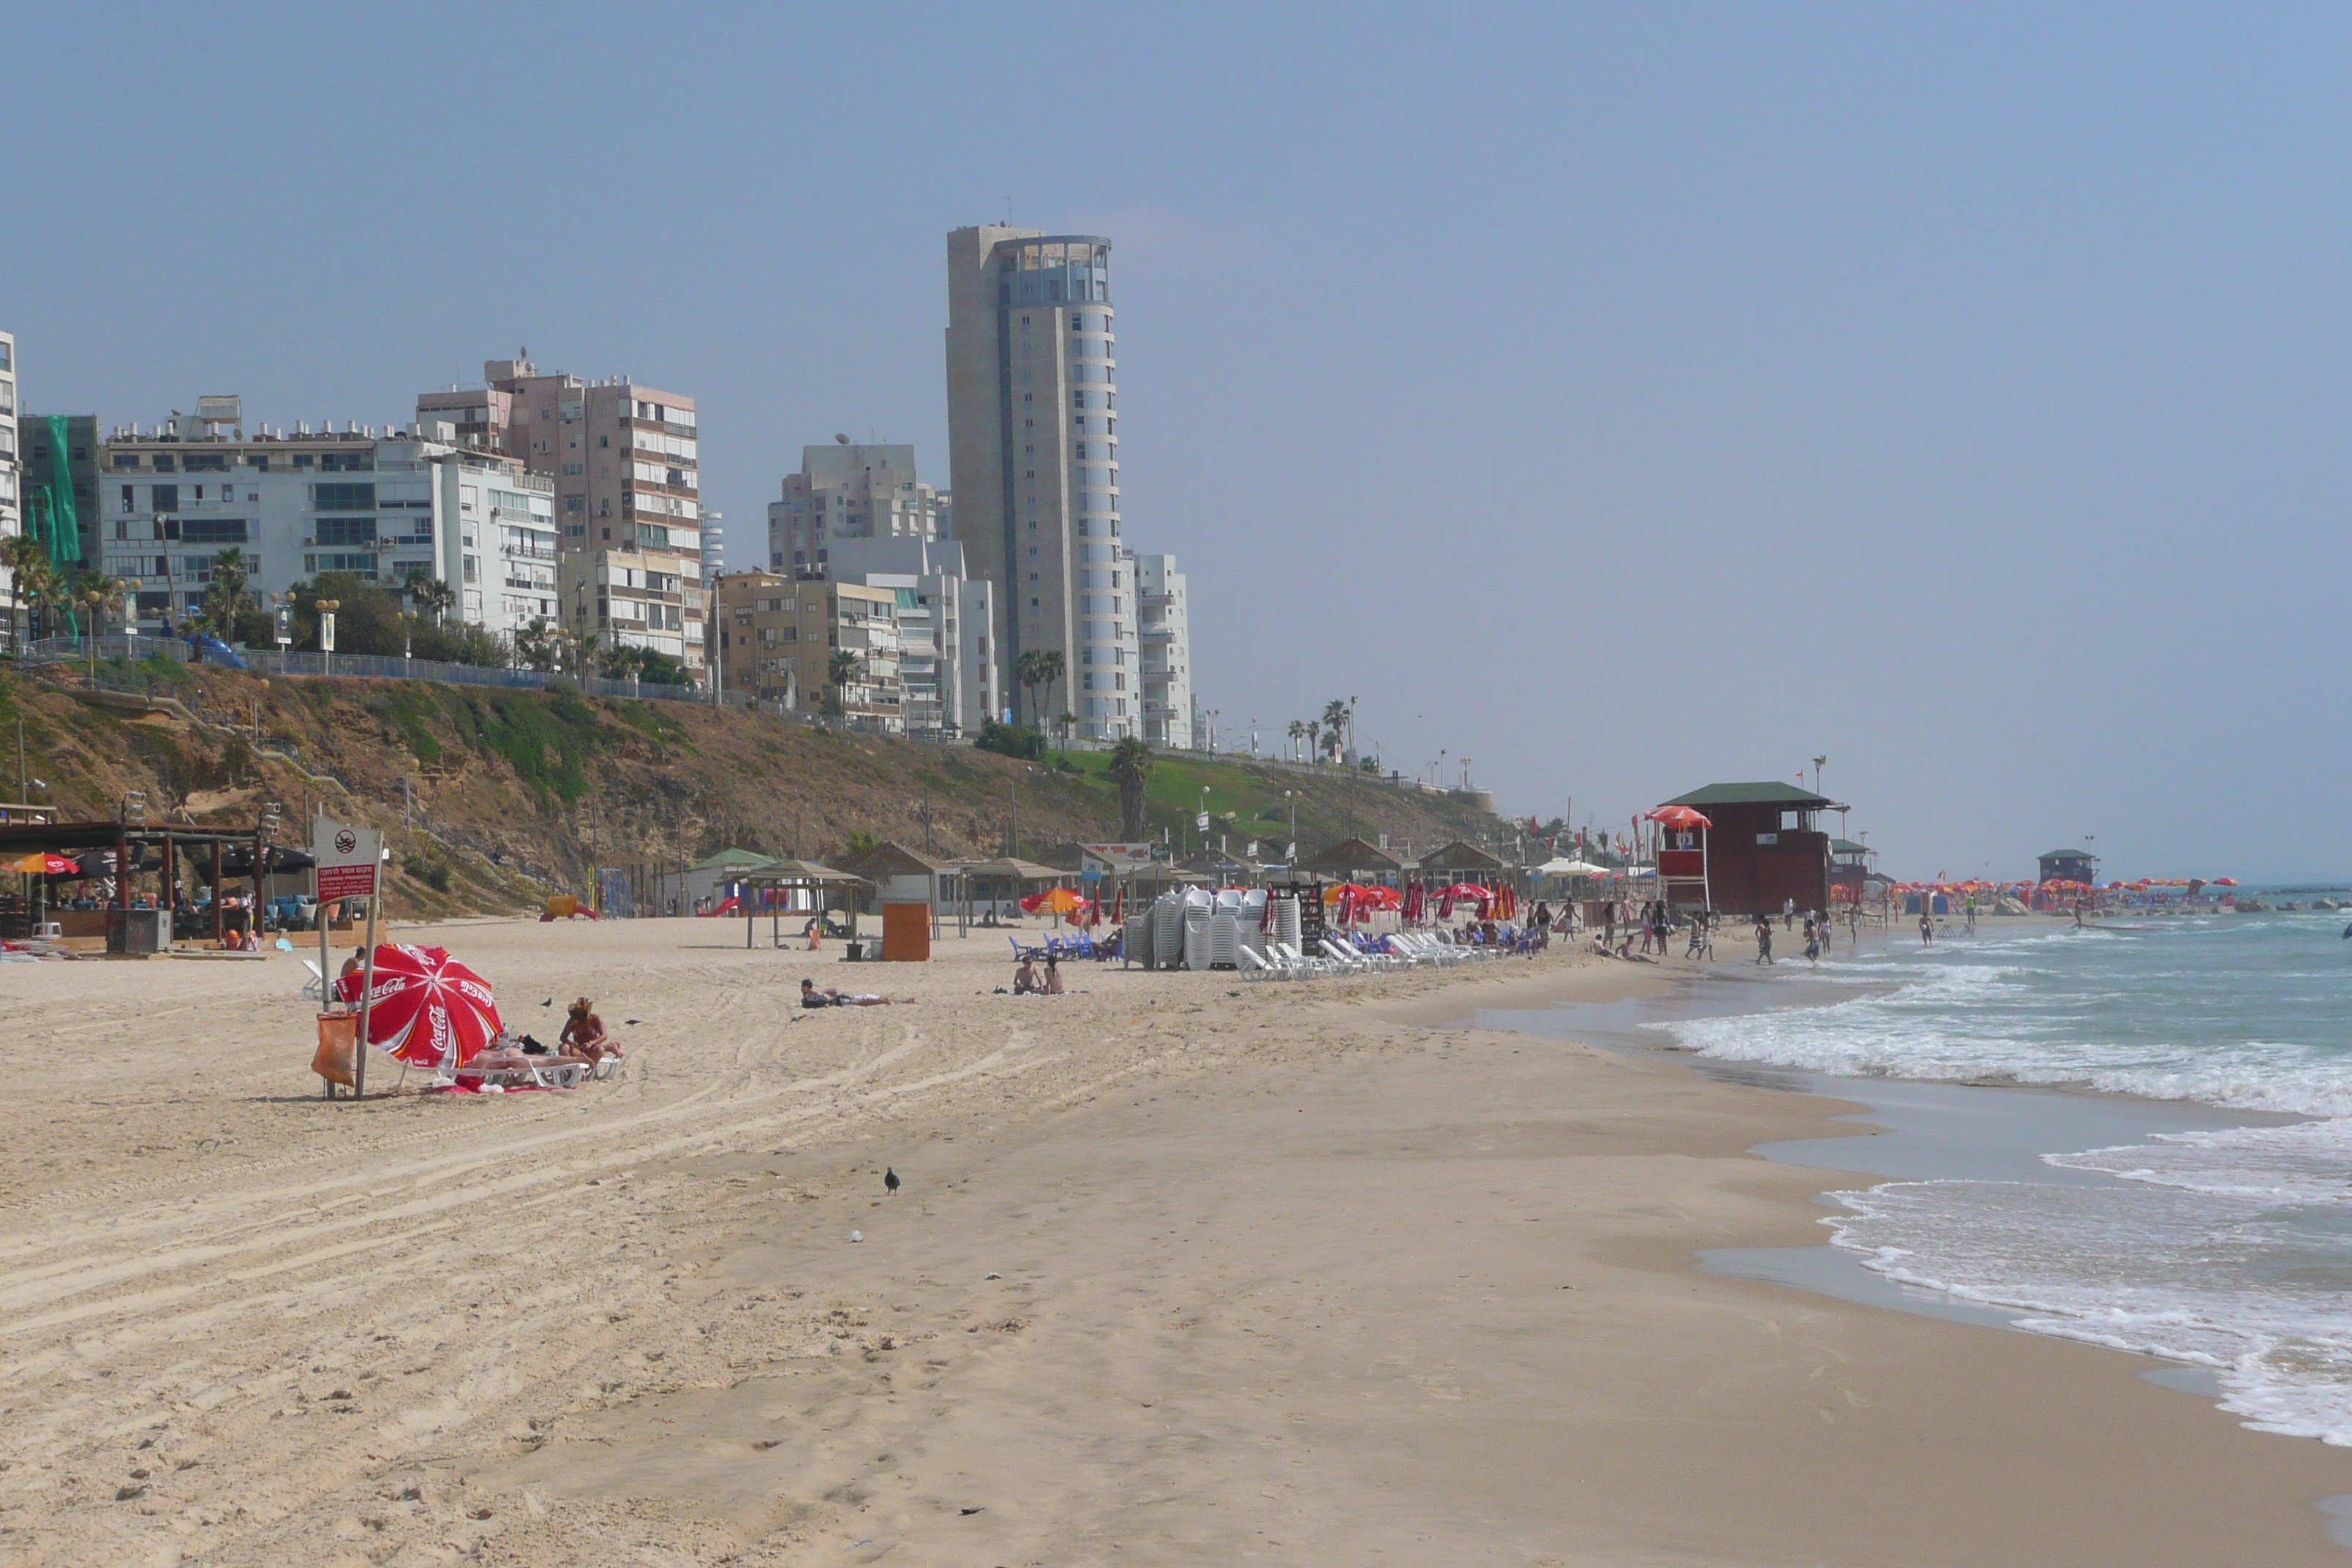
x,y
426,1008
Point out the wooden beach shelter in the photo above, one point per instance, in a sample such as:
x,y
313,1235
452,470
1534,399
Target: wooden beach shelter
x,y
915,885
904,875
807,887
1354,860
1762,850
1459,862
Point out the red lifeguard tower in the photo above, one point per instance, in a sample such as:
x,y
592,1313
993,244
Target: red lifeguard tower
x,y
1760,848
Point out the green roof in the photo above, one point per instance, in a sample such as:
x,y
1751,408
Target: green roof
x,y
1770,792
730,858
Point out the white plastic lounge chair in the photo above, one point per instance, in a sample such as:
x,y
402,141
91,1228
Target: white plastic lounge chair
x,y
315,988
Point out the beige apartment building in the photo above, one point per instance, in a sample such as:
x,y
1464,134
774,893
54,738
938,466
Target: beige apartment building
x,y
625,461
1033,432
848,492
774,636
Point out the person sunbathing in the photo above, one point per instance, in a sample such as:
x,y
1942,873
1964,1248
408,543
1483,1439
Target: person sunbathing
x,y
583,1034
834,996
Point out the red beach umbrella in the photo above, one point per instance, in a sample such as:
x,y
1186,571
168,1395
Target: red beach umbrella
x,y
42,863
2225,881
427,1009
1679,816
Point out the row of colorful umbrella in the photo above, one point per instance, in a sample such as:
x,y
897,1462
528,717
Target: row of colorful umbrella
x,y
236,861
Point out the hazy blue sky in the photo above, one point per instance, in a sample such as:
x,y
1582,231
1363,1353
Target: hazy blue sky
x,y
1626,397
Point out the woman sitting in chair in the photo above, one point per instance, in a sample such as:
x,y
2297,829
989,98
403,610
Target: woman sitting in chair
x,y
583,1034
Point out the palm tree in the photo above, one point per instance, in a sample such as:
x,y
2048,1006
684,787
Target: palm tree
x,y
840,669
1051,666
1298,731
26,559
1131,765
1335,721
428,593
225,599
1029,669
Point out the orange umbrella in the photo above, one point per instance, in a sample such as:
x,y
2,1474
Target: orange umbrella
x,y
41,863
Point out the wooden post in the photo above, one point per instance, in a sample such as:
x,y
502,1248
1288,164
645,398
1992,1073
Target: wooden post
x,y
367,984
121,872
220,926
169,896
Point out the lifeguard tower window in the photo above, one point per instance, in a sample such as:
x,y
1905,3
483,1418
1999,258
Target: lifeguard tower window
x,y
1791,821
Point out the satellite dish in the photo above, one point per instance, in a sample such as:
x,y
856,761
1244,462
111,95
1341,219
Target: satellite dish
x,y
840,437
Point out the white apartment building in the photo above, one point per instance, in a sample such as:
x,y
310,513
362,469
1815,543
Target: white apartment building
x,y
624,458
1033,429
849,491
371,504
11,477
945,617
1165,622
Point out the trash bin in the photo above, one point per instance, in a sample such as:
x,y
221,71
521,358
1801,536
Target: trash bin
x,y
338,1041
138,931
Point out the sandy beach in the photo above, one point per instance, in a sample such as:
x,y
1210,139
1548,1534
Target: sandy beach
x,y
1184,1270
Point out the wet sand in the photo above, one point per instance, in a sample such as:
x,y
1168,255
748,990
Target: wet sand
x,y
1283,1274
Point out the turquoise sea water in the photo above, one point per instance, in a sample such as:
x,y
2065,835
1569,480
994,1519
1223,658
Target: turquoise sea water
x,y
2231,1249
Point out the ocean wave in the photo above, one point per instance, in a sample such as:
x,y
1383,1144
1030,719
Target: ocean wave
x,y
2186,1276
2305,1162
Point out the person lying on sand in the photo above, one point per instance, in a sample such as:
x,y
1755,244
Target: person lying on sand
x,y
583,1034
834,996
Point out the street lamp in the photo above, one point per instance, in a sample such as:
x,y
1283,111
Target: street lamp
x,y
327,608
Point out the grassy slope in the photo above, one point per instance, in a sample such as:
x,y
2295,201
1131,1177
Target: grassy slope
x,y
513,793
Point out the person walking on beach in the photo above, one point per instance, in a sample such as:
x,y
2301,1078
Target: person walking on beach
x,y
1763,938
1702,938
1788,914
1822,923
1608,909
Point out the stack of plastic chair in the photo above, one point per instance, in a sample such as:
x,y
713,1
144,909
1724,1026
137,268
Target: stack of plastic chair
x,y
1288,929
1253,921
1168,929
1197,906
1135,937
1225,934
